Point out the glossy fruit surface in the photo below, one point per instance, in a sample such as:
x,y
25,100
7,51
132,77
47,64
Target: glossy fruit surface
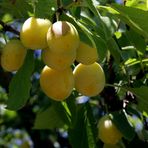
x,y
13,55
55,84
108,132
33,33
58,61
89,79
62,37
86,54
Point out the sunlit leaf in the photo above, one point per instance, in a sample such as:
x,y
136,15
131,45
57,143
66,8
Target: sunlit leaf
x,y
138,23
141,4
127,15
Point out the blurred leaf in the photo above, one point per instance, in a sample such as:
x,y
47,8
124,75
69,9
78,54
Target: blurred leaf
x,y
127,53
134,69
141,4
133,111
145,134
141,92
142,96
121,122
101,46
87,21
137,40
20,85
67,2
54,116
44,9
48,119
19,8
75,11
132,16
91,6
134,61
114,49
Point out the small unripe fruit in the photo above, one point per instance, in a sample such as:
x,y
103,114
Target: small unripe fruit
x,y
55,84
33,33
108,132
57,61
86,54
89,79
62,37
13,55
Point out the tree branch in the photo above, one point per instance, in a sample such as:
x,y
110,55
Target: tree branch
x,y
9,28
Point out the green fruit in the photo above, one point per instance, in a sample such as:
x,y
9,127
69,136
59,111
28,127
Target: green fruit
x,y
13,55
108,132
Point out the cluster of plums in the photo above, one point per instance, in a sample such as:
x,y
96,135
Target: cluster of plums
x,y
60,46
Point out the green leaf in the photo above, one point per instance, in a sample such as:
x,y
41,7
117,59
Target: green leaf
x,y
67,2
44,9
87,33
134,17
111,25
92,131
79,130
140,92
142,97
133,111
20,85
71,103
103,29
92,7
48,119
141,4
114,49
101,46
121,122
81,135
19,8
55,116
137,40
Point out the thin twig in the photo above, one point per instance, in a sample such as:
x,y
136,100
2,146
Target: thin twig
x,y
9,28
